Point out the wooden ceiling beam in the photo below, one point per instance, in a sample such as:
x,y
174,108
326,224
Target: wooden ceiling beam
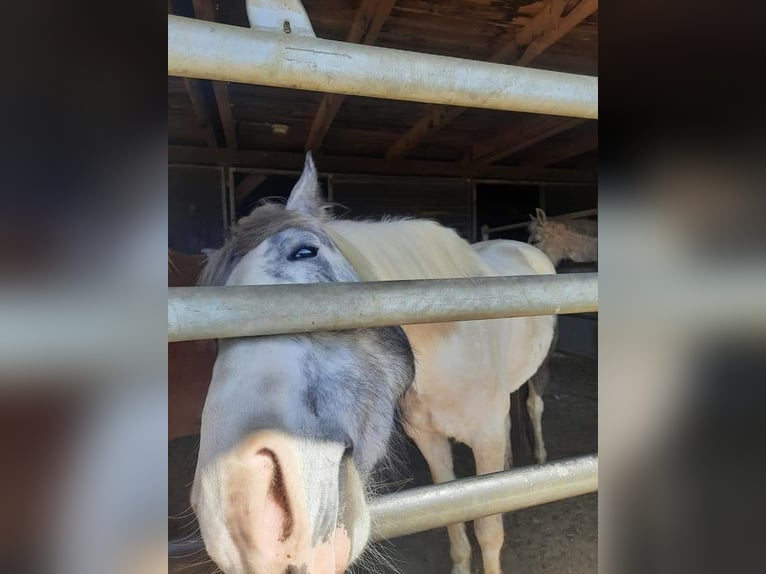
x,y
221,91
365,29
205,10
290,161
559,28
561,152
435,117
199,104
518,138
201,110
544,30
543,21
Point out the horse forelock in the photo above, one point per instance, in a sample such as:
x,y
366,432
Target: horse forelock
x,y
249,232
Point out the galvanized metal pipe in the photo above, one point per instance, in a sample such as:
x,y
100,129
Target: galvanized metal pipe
x,y
438,505
222,312
208,50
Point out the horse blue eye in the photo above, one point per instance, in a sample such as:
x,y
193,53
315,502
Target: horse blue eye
x,y
304,252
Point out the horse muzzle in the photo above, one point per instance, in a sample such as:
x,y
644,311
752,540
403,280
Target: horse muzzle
x,y
278,503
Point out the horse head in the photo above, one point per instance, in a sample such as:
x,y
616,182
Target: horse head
x,y
293,424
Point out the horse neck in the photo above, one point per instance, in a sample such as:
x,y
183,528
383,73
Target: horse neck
x,y
405,249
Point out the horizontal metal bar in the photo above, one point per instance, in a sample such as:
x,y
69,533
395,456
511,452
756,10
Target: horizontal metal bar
x,y
208,50
535,182
438,505
245,311
383,177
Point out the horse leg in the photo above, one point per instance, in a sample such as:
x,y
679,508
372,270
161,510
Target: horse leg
x,y
490,453
535,408
436,450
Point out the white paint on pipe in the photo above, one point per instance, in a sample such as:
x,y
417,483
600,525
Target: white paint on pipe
x,y
284,16
208,50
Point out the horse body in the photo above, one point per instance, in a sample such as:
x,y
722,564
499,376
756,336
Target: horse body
x,y
293,424
463,392
475,365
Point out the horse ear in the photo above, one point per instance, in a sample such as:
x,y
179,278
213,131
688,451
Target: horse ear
x,y
305,195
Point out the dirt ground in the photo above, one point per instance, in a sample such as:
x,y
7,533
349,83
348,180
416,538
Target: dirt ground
x,y
556,538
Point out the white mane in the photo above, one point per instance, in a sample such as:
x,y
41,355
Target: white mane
x,y
405,249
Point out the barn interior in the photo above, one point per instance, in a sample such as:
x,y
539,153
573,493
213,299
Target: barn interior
x,y
231,145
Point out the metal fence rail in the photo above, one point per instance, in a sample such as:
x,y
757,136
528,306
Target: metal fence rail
x,y
438,505
222,312
207,50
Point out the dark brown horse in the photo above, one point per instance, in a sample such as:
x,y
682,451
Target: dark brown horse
x,y
190,363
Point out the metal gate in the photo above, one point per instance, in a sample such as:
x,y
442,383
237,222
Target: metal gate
x,y
271,55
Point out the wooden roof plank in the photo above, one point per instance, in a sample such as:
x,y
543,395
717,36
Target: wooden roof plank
x,y
544,30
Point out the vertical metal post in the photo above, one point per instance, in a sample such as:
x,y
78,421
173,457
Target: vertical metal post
x,y
232,206
224,203
472,185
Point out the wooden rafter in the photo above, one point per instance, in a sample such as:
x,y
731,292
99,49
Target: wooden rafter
x,y
559,28
367,24
565,150
540,33
366,165
221,91
201,110
199,104
205,10
518,138
434,118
